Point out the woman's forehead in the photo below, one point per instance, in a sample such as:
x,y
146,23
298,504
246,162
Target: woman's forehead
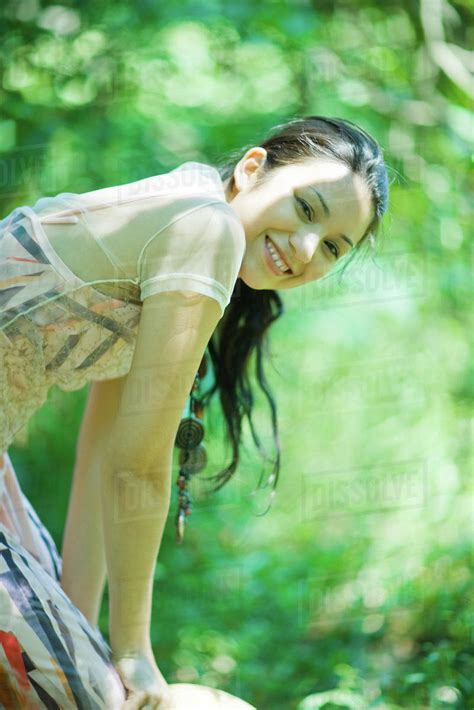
x,y
314,171
333,177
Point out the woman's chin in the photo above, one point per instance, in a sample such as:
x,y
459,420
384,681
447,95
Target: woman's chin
x,y
254,280
256,284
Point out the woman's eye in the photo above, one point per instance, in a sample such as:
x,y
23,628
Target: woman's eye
x,y
309,213
335,251
306,208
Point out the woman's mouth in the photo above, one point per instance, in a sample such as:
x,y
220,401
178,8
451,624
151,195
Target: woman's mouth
x,y
275,263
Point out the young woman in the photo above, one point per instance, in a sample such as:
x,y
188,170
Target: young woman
x,y
125,287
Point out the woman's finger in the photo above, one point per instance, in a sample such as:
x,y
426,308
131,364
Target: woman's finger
x,y
144,701
151,702
136,700
166,704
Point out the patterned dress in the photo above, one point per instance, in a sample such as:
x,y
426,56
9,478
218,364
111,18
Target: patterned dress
x,y
50,656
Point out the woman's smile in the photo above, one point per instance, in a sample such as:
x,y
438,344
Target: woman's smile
x,y
275,263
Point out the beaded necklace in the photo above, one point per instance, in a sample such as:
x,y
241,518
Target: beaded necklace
x,y
192,455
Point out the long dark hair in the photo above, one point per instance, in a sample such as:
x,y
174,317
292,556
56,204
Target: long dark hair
x,y
243,329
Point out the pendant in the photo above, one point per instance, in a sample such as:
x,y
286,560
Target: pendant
x,y
190,433
193,460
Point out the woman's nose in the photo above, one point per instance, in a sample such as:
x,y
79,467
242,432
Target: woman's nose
x,y
304,246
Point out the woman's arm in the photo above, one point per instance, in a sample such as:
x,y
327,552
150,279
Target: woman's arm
x,y
175,328
83,554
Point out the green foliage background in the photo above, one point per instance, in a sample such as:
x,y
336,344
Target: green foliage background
x,y
353,590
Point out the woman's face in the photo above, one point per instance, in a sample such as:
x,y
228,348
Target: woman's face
x,y
313,211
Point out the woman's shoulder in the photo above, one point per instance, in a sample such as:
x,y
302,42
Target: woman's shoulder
x,y
190,179
191,200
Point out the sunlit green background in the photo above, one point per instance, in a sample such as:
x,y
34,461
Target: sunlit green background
x,y
353,591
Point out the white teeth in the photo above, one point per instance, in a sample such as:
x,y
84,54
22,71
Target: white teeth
x,y
283,268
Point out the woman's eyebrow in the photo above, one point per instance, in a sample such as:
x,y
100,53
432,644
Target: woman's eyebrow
x,y
328,213
322,200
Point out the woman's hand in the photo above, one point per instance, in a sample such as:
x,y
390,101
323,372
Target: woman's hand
x,y
143,680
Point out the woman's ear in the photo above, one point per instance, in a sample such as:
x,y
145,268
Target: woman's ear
x,y
249,167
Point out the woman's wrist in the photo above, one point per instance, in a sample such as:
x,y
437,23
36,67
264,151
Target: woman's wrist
x,y
130,641
132,651
128,636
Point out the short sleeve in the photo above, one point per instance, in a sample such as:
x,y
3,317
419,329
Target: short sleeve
x,y
199,251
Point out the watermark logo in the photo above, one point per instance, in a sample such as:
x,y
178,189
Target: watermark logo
x,y
385,277
376,489
374,383
139,497
327,600
22,167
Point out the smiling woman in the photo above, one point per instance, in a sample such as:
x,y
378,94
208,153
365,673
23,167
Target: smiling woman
x,y
290,210
307,213
309,196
